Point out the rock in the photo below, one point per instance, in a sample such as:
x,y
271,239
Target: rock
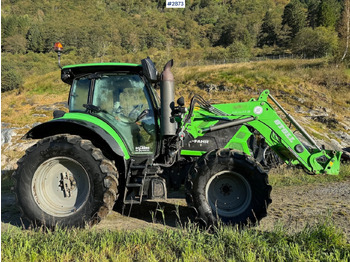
x,y
299,109
336,145
55,106
224,88
330,122
313,112
343,137
299,99
60,104
39,115
6,135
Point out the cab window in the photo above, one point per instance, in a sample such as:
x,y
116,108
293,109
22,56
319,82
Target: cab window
x,y
79,94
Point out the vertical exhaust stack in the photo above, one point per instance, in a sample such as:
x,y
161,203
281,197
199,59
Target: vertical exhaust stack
x,y
167,95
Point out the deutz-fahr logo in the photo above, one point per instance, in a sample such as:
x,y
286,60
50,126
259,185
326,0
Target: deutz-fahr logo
x,y
199,141
142,149
284,130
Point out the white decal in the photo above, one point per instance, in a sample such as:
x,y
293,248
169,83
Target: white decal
x,y
258,110
284,130
142,149
199,141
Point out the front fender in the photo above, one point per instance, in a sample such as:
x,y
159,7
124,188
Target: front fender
x,y
88,130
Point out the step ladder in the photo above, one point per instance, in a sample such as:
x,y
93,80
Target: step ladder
x,y
134,198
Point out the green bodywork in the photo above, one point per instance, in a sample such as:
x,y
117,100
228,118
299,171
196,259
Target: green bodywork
x,y
101,65
96,121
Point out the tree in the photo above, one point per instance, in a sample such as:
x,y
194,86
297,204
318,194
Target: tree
x,y
294,15
313,12
239,50
344,28
284,36
268,34
15,44
329,13
13,25
10,78
319,42
35,39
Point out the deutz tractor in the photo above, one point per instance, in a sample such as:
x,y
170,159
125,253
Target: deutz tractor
x,y
121,144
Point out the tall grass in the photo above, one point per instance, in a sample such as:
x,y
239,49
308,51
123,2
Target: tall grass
x,y
321,242
292,176
315,82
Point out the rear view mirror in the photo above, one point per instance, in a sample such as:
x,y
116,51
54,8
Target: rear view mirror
x,y
149,70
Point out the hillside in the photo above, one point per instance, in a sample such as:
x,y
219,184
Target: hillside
x,y
206,30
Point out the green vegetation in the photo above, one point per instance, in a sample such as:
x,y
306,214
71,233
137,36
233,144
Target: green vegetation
x,y
126,31
283,176
322,241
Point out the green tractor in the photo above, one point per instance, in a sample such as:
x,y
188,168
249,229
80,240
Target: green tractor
x,y
120,144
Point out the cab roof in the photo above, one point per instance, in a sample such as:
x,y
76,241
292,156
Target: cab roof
x,y
69,72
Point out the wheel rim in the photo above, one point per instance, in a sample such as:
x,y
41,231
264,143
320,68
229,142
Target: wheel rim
x,y
60,186
228,194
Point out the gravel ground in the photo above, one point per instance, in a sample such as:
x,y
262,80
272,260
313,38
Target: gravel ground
x,y
293,206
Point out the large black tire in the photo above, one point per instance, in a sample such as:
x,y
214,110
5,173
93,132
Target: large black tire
x,y
65,180
228,185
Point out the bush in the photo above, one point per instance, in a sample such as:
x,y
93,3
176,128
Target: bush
x,y
317,42
10,78
239,50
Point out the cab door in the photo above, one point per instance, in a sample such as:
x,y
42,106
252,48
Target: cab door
x,y
125,103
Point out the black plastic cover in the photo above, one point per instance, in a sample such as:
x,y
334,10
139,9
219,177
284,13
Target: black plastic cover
x,y
149,70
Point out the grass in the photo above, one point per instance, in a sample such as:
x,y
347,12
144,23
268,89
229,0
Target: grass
x,y
22,107
321,242
319,84
280,177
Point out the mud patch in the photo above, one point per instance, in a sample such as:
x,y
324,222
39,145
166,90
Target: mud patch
x,y
297,206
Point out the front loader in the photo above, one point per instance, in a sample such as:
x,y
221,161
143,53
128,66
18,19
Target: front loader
x,y
121,144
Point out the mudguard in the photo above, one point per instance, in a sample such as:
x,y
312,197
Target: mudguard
x,y
83,128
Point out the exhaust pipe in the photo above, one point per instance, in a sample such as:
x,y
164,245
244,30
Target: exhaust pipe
x,y
167,96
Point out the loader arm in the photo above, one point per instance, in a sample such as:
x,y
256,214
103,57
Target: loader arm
x,y
260,115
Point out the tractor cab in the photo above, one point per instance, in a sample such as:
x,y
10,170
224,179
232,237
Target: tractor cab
x,y
119,95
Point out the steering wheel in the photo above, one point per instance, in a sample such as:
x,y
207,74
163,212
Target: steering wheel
x,y
135,112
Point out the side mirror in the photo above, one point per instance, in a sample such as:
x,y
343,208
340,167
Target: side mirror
x,y
181,101
149,70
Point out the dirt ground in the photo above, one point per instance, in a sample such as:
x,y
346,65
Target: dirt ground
x,y
294,206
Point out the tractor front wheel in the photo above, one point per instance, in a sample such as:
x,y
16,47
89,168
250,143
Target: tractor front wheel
x,y
65,180
227,185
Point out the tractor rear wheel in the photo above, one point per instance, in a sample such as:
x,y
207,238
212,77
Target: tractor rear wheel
x,y
228,185
65,180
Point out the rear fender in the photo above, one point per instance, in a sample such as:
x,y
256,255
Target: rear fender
x,y
85,129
